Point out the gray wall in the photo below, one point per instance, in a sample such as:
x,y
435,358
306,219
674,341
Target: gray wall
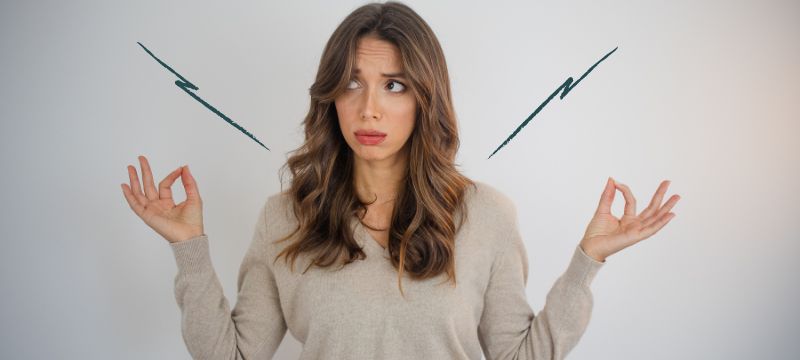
x,y
702,93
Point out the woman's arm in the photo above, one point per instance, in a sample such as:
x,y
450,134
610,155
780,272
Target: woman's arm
x,y
510,330
256,326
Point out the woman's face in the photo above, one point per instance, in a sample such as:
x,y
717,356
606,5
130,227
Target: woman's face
x,y
377,100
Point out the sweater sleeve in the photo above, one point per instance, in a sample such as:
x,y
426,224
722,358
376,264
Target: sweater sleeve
x,y
509,329
255,327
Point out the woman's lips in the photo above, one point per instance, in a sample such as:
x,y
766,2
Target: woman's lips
x,y
370,139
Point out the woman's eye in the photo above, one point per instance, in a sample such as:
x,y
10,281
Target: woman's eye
x,y
402,87
393,86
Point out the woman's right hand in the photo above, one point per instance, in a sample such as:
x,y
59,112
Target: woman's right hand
x,y
156,208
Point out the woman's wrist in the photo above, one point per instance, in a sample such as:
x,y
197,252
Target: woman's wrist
x,y
589,250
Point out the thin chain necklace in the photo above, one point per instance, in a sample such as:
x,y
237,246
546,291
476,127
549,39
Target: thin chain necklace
x,y
392,199
360,219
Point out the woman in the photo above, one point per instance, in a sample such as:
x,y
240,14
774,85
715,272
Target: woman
x,y
375,195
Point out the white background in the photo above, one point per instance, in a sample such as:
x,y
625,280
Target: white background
x,y
705,94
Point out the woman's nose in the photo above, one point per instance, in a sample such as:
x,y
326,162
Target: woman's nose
x,y
370,108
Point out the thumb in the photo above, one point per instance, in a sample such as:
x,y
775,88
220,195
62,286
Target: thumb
x,y
190,186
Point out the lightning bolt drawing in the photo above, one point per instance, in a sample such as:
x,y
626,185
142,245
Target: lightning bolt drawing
x,y
187,86
567,86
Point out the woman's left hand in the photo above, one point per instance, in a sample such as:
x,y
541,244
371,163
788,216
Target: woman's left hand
x,y
607,235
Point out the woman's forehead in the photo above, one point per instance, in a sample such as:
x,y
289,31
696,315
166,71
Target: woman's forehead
x,y
372,52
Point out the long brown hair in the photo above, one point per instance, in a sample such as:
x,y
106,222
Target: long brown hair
x,y
422,228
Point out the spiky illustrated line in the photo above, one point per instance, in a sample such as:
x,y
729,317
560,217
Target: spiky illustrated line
x,y
187,86
567,86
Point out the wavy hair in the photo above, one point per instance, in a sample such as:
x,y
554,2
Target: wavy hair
x,y
423,223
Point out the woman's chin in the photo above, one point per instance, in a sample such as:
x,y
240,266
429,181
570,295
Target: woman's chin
x,y
372,155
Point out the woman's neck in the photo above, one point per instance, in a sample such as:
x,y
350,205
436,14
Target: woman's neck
x,y
379,180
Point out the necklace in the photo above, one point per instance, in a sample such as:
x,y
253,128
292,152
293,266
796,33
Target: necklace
x,y
370,227
361,220
392,199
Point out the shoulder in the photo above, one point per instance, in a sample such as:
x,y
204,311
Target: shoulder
x,y
491,218
490,203
278,206
277,201
487,207
500,215
276,217
491,227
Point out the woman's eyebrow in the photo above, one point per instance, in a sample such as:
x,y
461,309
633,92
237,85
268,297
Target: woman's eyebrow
x,y
393,74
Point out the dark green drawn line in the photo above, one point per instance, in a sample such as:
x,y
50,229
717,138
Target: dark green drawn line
x,y
567,86
185,85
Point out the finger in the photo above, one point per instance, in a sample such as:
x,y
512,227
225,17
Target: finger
x,y
165,186
147,179
630,201
132,202
189,184
135,188
663,210
606,198
655,202
648,231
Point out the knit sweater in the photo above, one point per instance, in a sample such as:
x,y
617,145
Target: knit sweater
x,y
357,311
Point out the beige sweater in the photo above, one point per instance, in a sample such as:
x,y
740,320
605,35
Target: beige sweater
x,y
357,312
